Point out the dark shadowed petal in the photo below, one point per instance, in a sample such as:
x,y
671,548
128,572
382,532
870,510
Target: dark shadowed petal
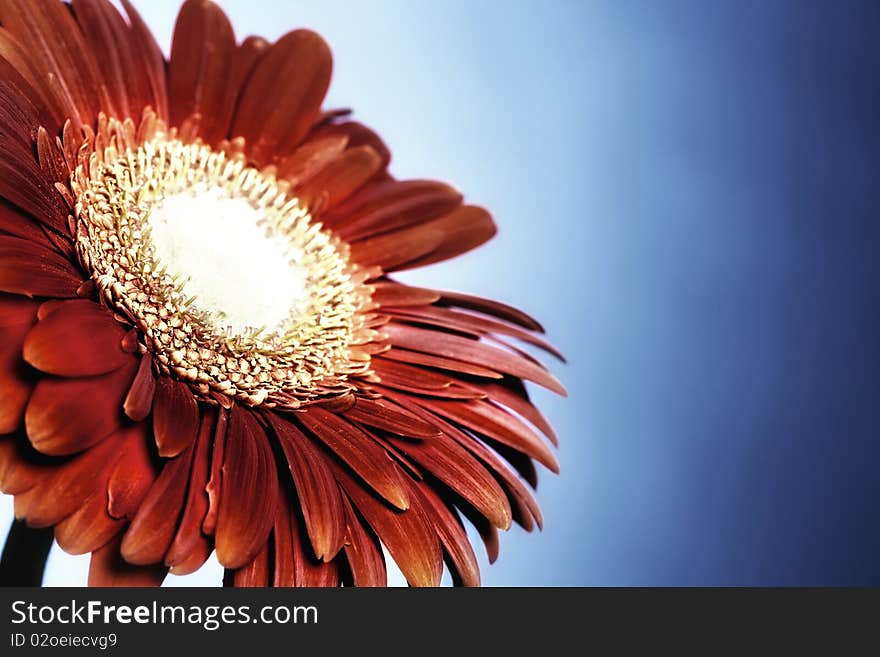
x,y
17,315
108,568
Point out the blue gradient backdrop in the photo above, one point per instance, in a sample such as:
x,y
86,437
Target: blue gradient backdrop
x,y
687,198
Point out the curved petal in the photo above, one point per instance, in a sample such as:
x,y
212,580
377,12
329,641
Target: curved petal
x,y
148,537
356,447
250,491
79,338
190,540
88,528
363,551
340,178
282,97
408,535
139,401
202,51
463,229
175,416
383,207
108,568
65,416
316,487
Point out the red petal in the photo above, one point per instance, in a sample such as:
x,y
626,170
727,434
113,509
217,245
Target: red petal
x,y
70,484
290,80
408,535
357,448
490,307
512,393
464,568
381,414
250,491
59,54
387,206
175,416
17,314
198,71
389,293
363,552
149,60
454,466
195,560
463,229
438,362
139,401
281,537
80,338
356,134
108,568
155,522
307,570
189,538
471,351
494,422
310,158
316,487
29,269
256,573
213,488
88,528
21,467
340,178
65,416
133,475
469,323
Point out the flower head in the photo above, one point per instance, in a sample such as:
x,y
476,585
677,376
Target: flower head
x,y
201,346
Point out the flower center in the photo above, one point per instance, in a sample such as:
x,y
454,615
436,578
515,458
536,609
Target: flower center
x,y
239,276
233,287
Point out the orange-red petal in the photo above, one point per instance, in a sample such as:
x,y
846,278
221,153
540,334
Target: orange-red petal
x,y
79,338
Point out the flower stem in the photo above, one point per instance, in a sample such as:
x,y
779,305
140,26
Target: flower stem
x,y
24,556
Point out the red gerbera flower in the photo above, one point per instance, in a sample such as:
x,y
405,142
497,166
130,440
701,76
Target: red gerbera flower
x,y
200,345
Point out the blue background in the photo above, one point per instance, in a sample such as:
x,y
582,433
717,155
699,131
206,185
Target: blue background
x,y
686,194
